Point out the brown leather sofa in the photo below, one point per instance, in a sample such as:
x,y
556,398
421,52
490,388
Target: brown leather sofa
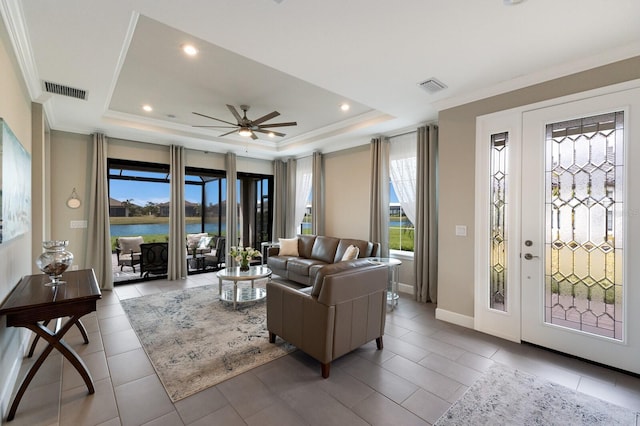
x,y
343,309
314,252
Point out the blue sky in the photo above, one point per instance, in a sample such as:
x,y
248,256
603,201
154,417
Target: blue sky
x,y
144,192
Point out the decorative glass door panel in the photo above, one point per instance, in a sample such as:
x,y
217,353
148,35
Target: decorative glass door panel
x,y
583,179
498,222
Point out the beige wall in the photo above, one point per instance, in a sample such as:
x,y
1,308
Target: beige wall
x,y
16,257
347,176
457,172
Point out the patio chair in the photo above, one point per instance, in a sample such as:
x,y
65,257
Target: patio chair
x,y
154,259
216,257
128,251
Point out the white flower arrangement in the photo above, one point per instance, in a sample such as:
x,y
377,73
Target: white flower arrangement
x,y
244,255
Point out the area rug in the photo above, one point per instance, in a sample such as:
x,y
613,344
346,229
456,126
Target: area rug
x,y
503,396
195,341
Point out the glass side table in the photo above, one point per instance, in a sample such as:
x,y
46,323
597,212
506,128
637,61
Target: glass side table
x,y
264,249
394,267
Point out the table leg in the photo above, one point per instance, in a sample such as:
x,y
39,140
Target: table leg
x,y
55,341
235,293
80,326
219,286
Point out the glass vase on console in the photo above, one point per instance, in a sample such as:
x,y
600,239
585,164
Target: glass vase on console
x,y
54,260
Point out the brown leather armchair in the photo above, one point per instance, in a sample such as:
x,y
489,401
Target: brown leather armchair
x,y
344,309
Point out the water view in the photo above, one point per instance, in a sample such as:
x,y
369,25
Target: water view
x,y
194,228
158,229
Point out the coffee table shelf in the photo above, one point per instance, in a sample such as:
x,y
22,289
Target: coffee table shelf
x,y
244,294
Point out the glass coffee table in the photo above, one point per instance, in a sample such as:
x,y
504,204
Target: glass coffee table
x,y
244,294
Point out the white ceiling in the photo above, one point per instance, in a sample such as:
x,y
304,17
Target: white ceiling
x,y
302,58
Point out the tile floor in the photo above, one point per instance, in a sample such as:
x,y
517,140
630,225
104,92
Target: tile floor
x,y
424,367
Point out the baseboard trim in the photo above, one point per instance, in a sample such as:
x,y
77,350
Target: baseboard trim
x,y
454,318
10,383
405,288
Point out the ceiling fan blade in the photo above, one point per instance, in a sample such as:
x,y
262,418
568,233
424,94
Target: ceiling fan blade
x,y
219,127
213,118
228,133
291,123
235,113
253,136
265,118
269,132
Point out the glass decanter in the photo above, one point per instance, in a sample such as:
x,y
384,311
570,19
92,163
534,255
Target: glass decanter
x,y
54,260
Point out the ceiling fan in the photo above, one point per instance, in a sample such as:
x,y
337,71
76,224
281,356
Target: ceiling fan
x,y
246,127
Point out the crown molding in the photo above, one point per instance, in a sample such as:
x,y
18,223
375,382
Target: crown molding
x,y
568,68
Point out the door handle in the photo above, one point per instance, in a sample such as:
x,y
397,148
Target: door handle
x,y
529,256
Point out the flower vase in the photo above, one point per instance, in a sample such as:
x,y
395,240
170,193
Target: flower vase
x,y
244,265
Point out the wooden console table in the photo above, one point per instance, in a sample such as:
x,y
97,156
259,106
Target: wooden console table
x,y
31,302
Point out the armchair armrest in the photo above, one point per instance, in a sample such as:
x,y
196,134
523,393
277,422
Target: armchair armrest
x,y
299,319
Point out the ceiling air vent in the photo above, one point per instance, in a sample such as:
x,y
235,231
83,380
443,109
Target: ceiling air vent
x,y
432,85
60,89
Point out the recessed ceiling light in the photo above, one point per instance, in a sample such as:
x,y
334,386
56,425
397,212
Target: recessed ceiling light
x,y
345,107
147,108
189,49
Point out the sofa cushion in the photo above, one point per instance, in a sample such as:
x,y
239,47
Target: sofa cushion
x,y
278,262
130,244
305,245
300,265
288,247
334,268
324,248
351,253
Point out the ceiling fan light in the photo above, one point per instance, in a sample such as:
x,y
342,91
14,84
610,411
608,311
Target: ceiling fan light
x,y
243,131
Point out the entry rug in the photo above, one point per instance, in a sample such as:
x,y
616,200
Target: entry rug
x,y
503,396
195,341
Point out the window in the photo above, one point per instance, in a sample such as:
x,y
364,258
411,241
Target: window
x,y
402,191
304,183
204,188
255,214
138,200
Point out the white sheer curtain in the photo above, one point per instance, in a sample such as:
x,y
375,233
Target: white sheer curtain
x,y
304,182
403,171
317,198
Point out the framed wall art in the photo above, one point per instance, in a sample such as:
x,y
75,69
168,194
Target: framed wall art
x,y
15,185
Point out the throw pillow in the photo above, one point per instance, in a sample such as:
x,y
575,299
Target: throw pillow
x,y
288,247
204,242
351,253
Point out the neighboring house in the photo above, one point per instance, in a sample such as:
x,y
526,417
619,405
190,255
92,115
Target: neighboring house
x,y
190,209
118,208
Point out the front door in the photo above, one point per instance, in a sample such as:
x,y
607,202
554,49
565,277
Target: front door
x,y
580,275
557,261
